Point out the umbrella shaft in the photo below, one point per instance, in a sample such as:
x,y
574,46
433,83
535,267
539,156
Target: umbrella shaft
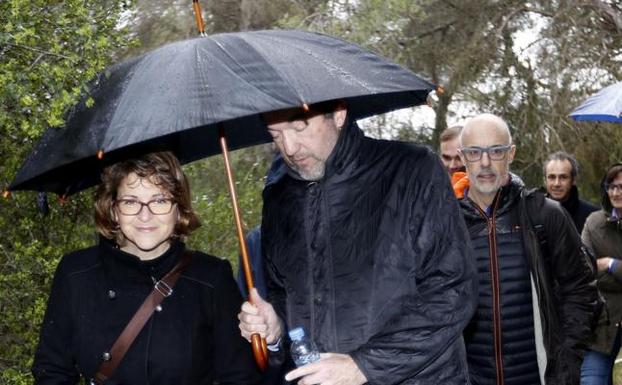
x,y
197,15
236,212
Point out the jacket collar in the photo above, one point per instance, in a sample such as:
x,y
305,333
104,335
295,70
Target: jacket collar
x,y
346,149
613,219
504,200
572,203
130,266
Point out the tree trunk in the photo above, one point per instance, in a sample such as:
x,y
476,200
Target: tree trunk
x,y
440,124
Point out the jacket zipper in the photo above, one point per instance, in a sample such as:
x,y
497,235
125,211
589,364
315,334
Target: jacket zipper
x,y
310,260
494,272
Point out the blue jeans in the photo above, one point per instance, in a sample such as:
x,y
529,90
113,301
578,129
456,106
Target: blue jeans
x,y
597,367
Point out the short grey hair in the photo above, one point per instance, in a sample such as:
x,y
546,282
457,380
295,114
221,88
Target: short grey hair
x,y
563,155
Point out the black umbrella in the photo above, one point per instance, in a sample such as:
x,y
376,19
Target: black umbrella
x,y
173,98
194,96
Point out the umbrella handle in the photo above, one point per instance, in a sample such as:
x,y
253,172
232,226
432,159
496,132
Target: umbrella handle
x,y
260,348
260,351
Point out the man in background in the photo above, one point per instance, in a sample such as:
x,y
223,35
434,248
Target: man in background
x,y
448,150
560,177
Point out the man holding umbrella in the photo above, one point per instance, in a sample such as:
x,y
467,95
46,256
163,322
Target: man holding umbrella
x,y
365,249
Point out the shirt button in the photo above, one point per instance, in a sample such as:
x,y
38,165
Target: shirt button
x,y
317,300
112,294
106,356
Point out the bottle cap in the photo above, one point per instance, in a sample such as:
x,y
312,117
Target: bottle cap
x,y
296,334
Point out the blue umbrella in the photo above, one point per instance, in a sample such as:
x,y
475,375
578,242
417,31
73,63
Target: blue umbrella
x,y
604,106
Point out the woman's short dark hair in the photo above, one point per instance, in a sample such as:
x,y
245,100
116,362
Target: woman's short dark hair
x,y
612,173
160,168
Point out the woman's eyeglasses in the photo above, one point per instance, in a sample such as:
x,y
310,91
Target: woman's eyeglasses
x,y
612,188
158,206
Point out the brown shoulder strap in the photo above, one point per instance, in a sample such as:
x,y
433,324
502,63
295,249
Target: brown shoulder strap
x,y
162,289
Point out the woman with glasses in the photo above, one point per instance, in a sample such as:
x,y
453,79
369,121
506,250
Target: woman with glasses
x,y
603,235
143,212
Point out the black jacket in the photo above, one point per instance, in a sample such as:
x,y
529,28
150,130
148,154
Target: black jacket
x,y
500,338
374,260
563,275
578,209
193,340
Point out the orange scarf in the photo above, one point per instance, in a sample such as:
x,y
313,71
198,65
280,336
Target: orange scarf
x,y
460,182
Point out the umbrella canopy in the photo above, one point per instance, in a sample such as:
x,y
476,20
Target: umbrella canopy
x,y
178,96
604,106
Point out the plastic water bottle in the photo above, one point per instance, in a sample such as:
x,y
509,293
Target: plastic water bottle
x,y
303,349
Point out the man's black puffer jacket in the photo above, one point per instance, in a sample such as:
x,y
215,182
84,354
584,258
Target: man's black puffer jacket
x,y
562,273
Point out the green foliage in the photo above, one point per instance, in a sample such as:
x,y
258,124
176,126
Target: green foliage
x,y
212,201
49,50
12,376
29,252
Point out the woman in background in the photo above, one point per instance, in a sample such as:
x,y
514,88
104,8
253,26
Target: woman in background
x,y
603,235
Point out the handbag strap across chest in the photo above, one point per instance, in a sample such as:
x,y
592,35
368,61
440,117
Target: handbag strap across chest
x,y
161,289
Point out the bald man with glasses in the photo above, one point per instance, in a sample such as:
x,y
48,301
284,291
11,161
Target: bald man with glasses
x,y
536,302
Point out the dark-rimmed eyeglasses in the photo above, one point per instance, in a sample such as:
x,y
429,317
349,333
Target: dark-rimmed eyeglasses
x,y
473,154
613,187
159,206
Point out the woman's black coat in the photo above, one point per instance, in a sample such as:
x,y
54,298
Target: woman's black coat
x,y
194,339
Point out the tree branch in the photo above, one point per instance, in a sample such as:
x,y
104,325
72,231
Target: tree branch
x,y
609,13
537,11
41,51
452,5
434,30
